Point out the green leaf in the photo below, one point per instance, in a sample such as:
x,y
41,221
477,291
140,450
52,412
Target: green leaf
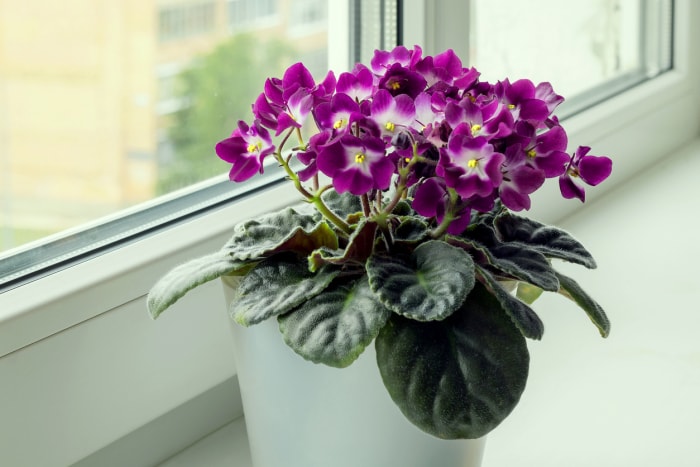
x,y
359,248
457,378
573,291
176,283
513,260
343,205
276,286
548,240
526,320
430,284
335,326
411,230
286,230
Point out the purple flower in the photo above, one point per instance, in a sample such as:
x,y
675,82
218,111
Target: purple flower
x,y
245,149
546,151
357,165
400,80
432,200
390,112
310,153
383,59
444,67
338,114
358,84
520,98
298,107
592,170
519,180
470,165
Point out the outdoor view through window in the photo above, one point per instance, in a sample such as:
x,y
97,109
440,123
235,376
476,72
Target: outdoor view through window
x,y
106,104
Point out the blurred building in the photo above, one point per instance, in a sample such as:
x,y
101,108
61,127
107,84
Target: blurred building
x,y
86,87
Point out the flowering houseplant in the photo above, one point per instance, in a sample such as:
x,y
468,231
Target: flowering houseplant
x,y
413,173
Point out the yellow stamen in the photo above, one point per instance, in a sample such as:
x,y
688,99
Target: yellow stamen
x,y
395,86
472,163
475,129
511,106
531,153
340,124
252,147
390,126
359,158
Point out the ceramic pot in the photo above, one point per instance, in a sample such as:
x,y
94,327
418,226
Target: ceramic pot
x,y
300,414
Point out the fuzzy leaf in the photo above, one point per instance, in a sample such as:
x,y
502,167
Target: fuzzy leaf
x,y
335,326
176,283
276,286
571,289
527,321
286,230
430,284
548,240
517,261
411,230
456,378
344,205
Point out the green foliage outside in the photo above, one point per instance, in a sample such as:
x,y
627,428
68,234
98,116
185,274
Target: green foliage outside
x,y
218,90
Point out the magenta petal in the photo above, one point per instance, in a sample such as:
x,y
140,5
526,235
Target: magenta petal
x,y
296,76
569,189
595,169
382,170
513,199
428,196
355,181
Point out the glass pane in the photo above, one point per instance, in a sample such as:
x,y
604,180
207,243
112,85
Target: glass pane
x,y
105,105
577,46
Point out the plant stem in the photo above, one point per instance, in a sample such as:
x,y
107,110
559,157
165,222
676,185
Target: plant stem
x,y
440,230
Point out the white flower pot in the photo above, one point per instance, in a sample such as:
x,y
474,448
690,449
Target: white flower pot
x,y
300,414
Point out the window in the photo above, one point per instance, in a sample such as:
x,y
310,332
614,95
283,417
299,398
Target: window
x,y
160,139
114,104
185,20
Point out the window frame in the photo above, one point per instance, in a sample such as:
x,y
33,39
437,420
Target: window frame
x,y
634,126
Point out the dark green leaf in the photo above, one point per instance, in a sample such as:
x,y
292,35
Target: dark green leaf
x,y
430,284
343,205
276,286
456,378
176,283
517,261
525,264
571,289
548,240
286,230
520,313
411,230
335,326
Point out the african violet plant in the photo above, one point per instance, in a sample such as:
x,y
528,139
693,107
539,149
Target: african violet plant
x,y
413,172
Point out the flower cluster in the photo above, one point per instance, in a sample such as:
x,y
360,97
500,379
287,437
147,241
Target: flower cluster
x,y
419,123
413,167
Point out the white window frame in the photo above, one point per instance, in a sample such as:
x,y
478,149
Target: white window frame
x,y
638,128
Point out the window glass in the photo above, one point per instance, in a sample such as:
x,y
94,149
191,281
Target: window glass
x,y
105,105
582,48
